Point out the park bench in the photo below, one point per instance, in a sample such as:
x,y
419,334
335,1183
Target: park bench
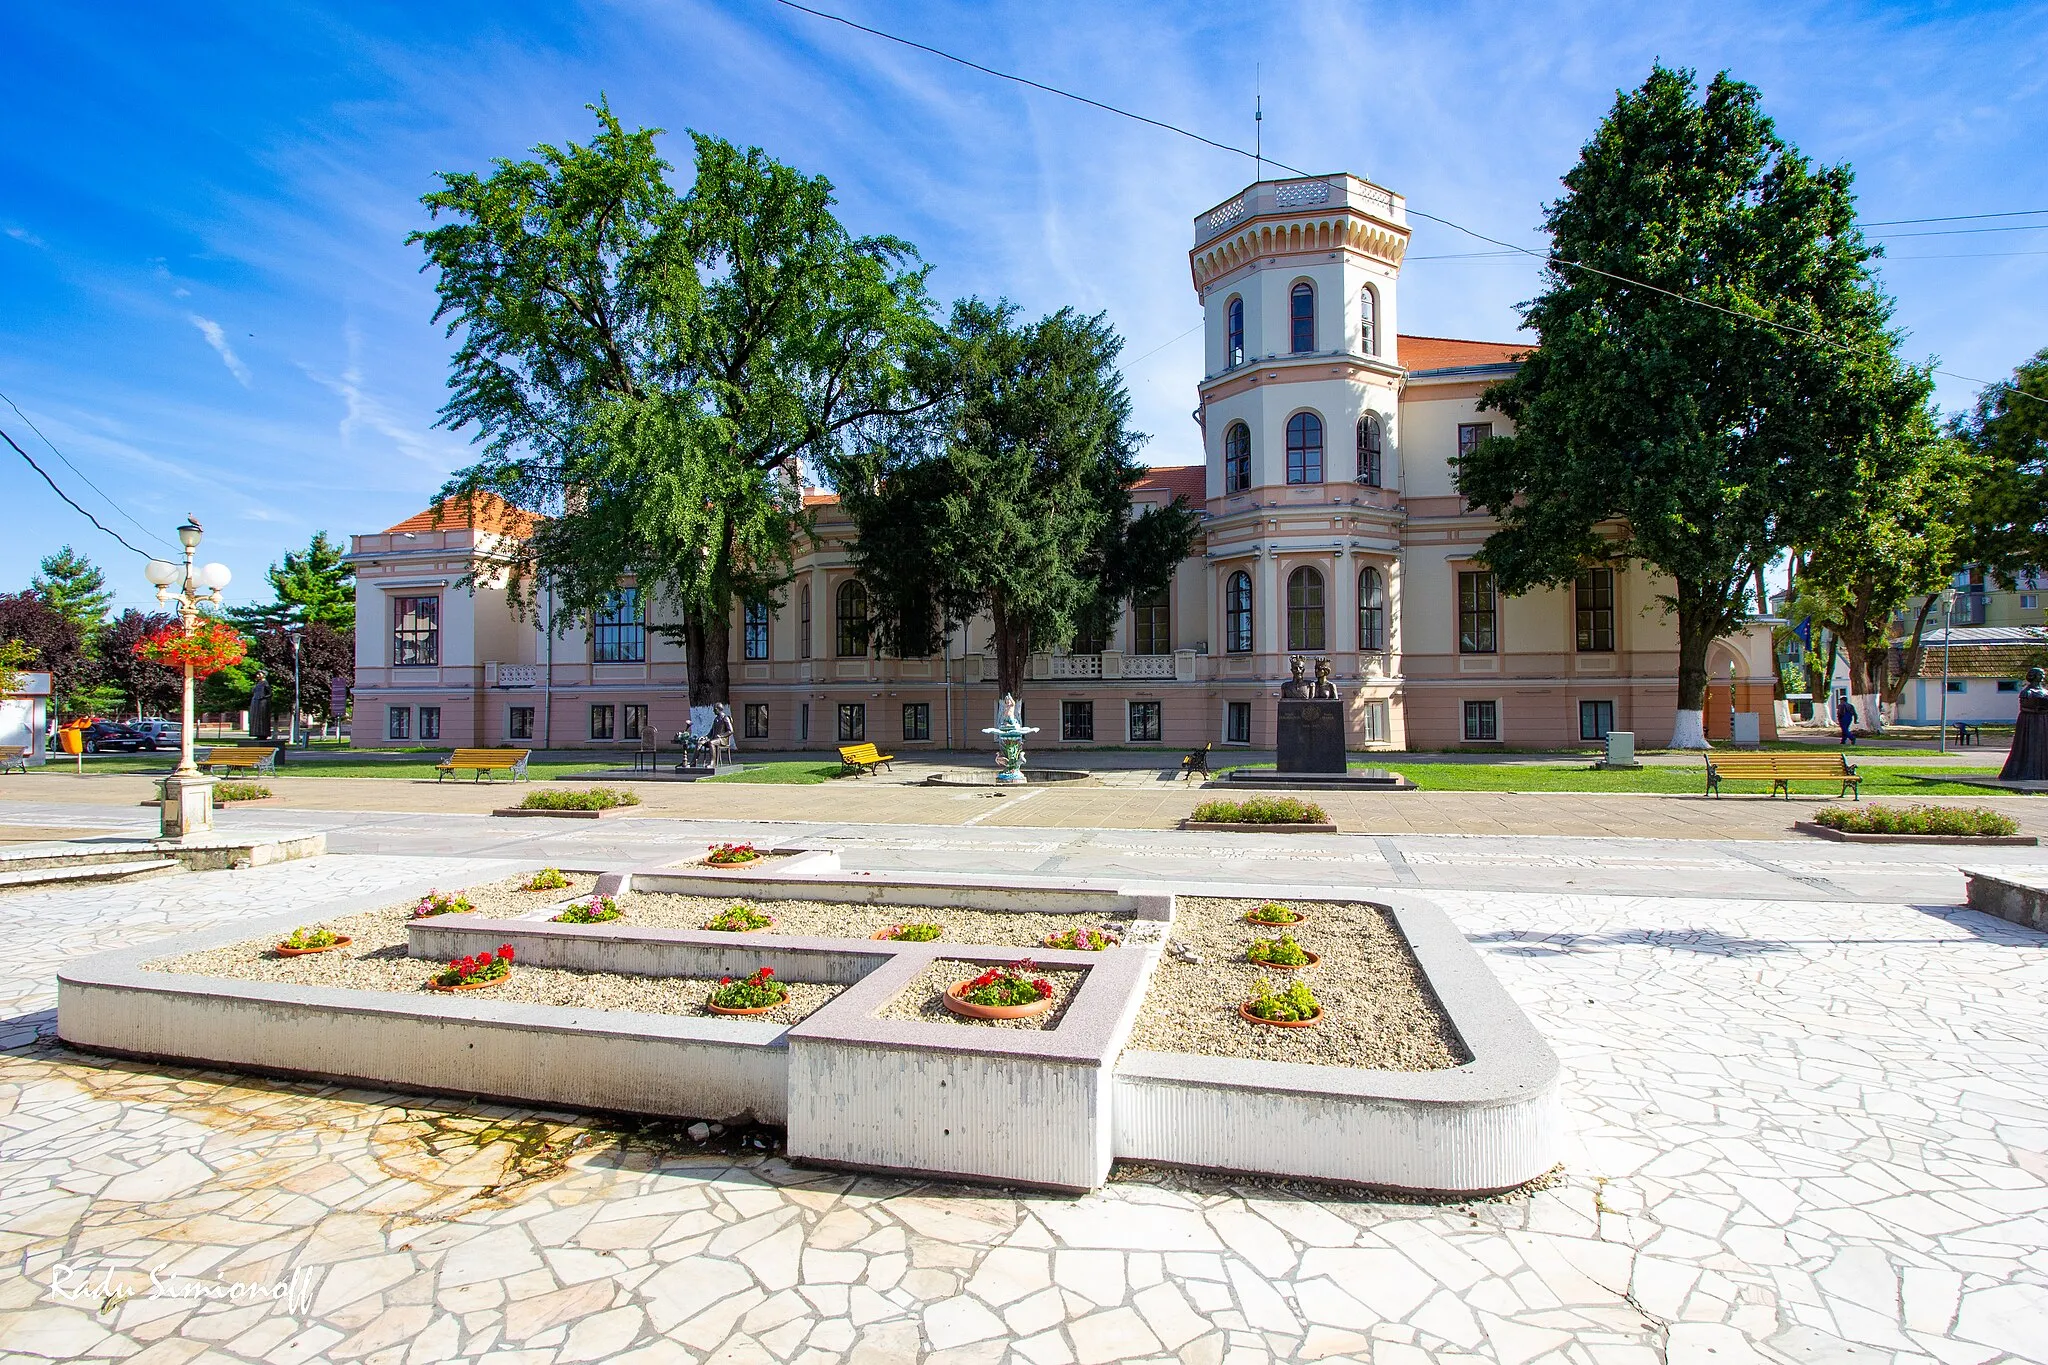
x,y
1781,771
1195,761
863,758
493,761
255,759
13,756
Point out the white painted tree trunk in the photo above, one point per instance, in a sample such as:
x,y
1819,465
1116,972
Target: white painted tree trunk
x,y
1870,713
1689,730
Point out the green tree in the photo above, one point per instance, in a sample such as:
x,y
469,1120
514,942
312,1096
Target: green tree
x,y
77,589
1664,422
59,649
16,657
648,370
2009,429
143,688
314,584
1014,498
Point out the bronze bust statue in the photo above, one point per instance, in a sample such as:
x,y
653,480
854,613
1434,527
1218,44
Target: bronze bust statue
x,y
1324,689
1297,687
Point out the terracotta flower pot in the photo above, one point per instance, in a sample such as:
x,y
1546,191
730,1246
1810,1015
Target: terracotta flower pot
x,y
341,941
753,1009
471,985
1244,1012
969,1010
757,929
733,862
1110,941
888,935
1313,959
1275,923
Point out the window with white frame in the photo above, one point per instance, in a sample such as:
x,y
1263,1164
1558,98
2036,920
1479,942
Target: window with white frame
x,y
1369,321
1301,318
1305,609
1482,721
415,632
1144,722
1237,722
398,722
601,722
1304,448
519,722
1237,458
1237,614
1596,718
1478,614
1369,448
917,720
618,633
430,722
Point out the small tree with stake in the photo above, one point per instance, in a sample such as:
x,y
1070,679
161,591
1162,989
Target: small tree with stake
x,y
1706,390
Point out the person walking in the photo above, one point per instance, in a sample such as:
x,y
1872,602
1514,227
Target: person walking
x,y
1845,716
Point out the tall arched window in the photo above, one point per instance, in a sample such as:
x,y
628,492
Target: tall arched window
x,y
1237,458
1372,611
1369,320
1301,317
1304,448
1233,343
803,623
1237,614
1305,609
1369,450
853,619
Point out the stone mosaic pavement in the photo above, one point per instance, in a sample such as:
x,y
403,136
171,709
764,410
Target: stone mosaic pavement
x,y
1807,1131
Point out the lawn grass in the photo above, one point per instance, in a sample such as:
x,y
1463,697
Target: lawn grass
x,y
796,774
1878,779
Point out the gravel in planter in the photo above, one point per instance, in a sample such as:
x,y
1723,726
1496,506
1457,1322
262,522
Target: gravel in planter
x,y
840,919
1378,1010
920,1000
376,961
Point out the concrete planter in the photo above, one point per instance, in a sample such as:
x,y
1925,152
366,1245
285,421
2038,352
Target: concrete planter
x,y
2009,896
1221,827
1842,836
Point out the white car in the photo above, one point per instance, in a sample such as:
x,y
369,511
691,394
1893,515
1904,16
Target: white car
x,y
164,732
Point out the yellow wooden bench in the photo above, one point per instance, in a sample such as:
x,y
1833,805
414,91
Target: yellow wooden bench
x,y
252,758
863,758
492,761
13,756
1781,771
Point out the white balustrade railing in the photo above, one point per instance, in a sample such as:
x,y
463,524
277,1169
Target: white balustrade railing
x,y
1148,665
517,675
1077,665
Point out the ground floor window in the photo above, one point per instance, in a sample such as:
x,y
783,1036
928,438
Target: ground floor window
x,y
917,720
398,722
757,720
853,721
1373,724
1958,685
601,718
430,722
519,723
1596,718
2008,685
1237,722
803,721
1144,722
1482,720
1077,720
636,723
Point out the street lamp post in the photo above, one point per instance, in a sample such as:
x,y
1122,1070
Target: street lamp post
x,y
298,634
1948,614
188,793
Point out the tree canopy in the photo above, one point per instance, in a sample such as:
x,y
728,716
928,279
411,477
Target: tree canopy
x,y
1014,497
76,589
2009,429
648,370
1716,412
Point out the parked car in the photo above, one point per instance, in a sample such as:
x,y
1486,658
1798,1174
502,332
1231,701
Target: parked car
x,y
106,736
164,732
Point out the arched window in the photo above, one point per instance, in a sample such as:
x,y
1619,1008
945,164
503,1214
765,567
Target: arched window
x,y
1372,611
1304,448
803,623
754,634
853,619
1305,609
1237,606
1301,317
1369,321
1369,450
1233,344
1237,458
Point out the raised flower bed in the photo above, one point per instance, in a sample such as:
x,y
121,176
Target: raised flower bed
x,y
756,994
1016,991
477,973
304,942
1261,815
586,804
1915,825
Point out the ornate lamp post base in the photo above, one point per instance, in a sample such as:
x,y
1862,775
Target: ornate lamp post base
x,y
187,805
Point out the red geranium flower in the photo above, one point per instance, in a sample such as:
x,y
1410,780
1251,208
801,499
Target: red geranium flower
x,y
505,952
767,971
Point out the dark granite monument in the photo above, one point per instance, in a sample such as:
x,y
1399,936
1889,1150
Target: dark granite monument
x,y
1310,735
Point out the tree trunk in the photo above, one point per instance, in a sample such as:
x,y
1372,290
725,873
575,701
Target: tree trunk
x,y
707,639
1695,634
1013,650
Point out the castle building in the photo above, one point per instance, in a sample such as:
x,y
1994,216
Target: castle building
x,y
1331,528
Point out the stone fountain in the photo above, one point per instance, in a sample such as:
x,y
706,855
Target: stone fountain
x,y
1009,733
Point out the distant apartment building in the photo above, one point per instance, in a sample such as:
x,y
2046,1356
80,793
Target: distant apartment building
x,y
1331,527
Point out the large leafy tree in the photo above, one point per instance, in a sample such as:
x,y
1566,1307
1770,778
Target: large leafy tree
x,y
1014,498
648,370
144,688
313,584
2009,429
76,588
1709,373
57,645
324,655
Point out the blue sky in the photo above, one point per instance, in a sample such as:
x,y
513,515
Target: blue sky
x,y
207,302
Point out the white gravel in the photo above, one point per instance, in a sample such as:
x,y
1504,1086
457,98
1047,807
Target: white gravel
x,y
920,1000
839,919
1378,1010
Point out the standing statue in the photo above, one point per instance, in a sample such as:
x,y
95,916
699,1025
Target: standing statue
x,y
1324,689
2028,759
1009,731
1297,687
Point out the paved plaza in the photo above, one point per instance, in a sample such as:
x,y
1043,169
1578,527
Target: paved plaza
x,y
1809,1097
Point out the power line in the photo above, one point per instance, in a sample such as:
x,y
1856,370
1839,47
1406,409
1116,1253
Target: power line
x,y
1550,259
1955,218
67,497
1965,232
80,472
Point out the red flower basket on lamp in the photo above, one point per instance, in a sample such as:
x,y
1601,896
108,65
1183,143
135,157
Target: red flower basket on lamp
x,y
208,647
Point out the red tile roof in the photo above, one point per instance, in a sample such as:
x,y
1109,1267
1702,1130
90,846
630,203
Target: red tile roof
x,y
820,498
1188,479
484,512
1444,353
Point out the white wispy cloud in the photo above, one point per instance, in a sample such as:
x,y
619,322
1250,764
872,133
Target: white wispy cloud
x,y
363,411
218,339
23,235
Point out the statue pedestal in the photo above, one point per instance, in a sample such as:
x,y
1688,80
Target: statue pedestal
x,y
187,806
1311,736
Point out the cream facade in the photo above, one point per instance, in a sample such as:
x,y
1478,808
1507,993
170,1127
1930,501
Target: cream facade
x,y
1331,527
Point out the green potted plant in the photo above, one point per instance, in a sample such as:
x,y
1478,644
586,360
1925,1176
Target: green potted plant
x,y
1282,952
1012,992
547,879
739,918
732,855
596,910
477,973
1083,940
442,903
910,933
1274,913
756,994
1295,1007
313,939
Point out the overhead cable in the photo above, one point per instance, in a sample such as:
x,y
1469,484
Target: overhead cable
x,y
68,498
